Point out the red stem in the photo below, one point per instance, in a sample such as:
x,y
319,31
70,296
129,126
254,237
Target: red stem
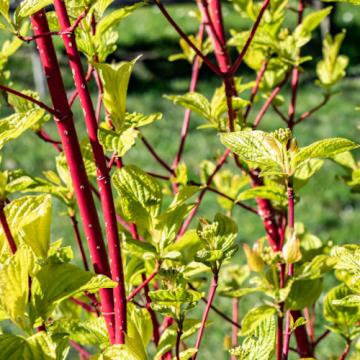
x,y
143,284
234,329
69,140
295,77
346,351
193,212
255,89
291,224
75,226
178,341
217,311
154,320
103,178
82,352
187,115
29,98
211,295
321,337
76,93
171,21
6,228
268,102
241,56
310,112
84,305
155,155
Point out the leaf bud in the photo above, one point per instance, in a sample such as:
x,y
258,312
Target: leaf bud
x,y
291,250
254,260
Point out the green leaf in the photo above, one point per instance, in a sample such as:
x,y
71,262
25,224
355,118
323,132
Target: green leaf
x,y
57,282
326,148
305,171
29,219
255,317
30,7
14,286
88,332
303,293
271,192
120,143
168,337
168,224
303,32
37,347
219,234
115,78
175,296
331,69
344,317
260,344
114,17
138,120
16,124
140,194
256,147
193,101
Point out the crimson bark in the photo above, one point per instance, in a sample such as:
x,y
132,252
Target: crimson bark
x,y
103,178
65,126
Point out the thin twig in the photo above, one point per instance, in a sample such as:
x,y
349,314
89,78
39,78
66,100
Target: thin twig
x,y
193,83
256,87
241,56
268,102
310,112
6,229
144,283
30,98
321,337
156,156
168,17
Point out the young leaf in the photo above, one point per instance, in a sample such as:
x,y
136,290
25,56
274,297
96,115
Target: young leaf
x,y
36,347
196,102
57,282
16,124
14,286
140,194
256,147
326,148
29,218
120,143
255,317
344,317
260,344
29,7
115,80
332,68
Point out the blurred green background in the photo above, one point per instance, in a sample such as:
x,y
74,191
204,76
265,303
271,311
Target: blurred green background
x,y
327,207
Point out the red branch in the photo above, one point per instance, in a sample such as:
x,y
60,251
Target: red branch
x,y
211,295
75,226
241,56
255,89
103,179
6,228
29,98
193,212
187,115
171,21
144,283
69,140
268,102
